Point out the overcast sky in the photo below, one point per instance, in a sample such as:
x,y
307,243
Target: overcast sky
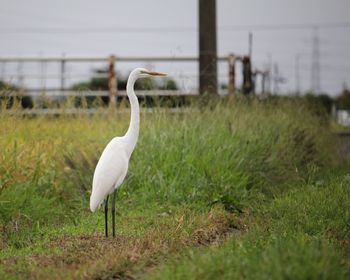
x,y
169,28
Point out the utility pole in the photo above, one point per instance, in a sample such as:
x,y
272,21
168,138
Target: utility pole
x,y
250,53
207,47
250,45
315,62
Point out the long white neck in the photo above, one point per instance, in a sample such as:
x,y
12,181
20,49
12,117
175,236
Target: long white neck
x,y
133,132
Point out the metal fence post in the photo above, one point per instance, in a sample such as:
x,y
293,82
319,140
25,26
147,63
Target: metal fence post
x,y
20,77
263,82
63,73
112,82
231,76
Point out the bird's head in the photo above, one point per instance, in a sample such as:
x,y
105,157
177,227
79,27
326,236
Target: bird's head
x,y
143,72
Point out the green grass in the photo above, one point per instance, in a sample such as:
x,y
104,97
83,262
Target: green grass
x,y
195,177
298,235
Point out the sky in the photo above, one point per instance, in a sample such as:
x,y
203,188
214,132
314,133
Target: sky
x,y
282,31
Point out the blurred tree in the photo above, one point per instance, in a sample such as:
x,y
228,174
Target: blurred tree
x,y
12,95
6,86
168,84
99,81
321,106
320,102
343,100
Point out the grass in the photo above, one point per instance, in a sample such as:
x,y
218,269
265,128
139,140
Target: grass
x,y
298,235
202,185
71,253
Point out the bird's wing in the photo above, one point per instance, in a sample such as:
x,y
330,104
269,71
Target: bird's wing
x,y
110,172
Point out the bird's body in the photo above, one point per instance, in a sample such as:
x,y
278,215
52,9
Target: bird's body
x,y
110,171
112,166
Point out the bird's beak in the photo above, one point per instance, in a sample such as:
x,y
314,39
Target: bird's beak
x,y
152,73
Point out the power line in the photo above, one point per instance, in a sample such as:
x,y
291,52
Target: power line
x,y
93,30
283,26
254,27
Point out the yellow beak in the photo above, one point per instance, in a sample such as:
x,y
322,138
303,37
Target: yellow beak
x,y
152,73
157,74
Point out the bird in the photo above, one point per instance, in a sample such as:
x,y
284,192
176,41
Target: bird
x,y
112,166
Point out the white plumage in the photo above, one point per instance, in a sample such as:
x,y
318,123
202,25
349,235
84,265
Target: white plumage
x,y
112,166
110,171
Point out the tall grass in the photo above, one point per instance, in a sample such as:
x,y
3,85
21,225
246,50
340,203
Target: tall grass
x,y
222,153
298,235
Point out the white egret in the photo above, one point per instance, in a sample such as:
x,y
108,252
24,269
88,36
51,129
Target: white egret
x,y
113,164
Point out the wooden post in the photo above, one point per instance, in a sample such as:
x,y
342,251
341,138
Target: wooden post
x,y
248,85
231,77
207,47
112,82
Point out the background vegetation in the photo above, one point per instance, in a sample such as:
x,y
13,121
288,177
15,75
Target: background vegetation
x,y
251,189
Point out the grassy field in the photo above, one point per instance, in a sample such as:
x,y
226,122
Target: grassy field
x,y
253,190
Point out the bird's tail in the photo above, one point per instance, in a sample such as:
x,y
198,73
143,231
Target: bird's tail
x,y
95,201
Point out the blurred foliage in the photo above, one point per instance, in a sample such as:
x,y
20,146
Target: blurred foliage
x,y
236,155
343,101
6,87
320,103
99,82
216,154
11,96
168,84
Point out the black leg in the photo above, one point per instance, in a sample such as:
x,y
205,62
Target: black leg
x,y
106,215
113,211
